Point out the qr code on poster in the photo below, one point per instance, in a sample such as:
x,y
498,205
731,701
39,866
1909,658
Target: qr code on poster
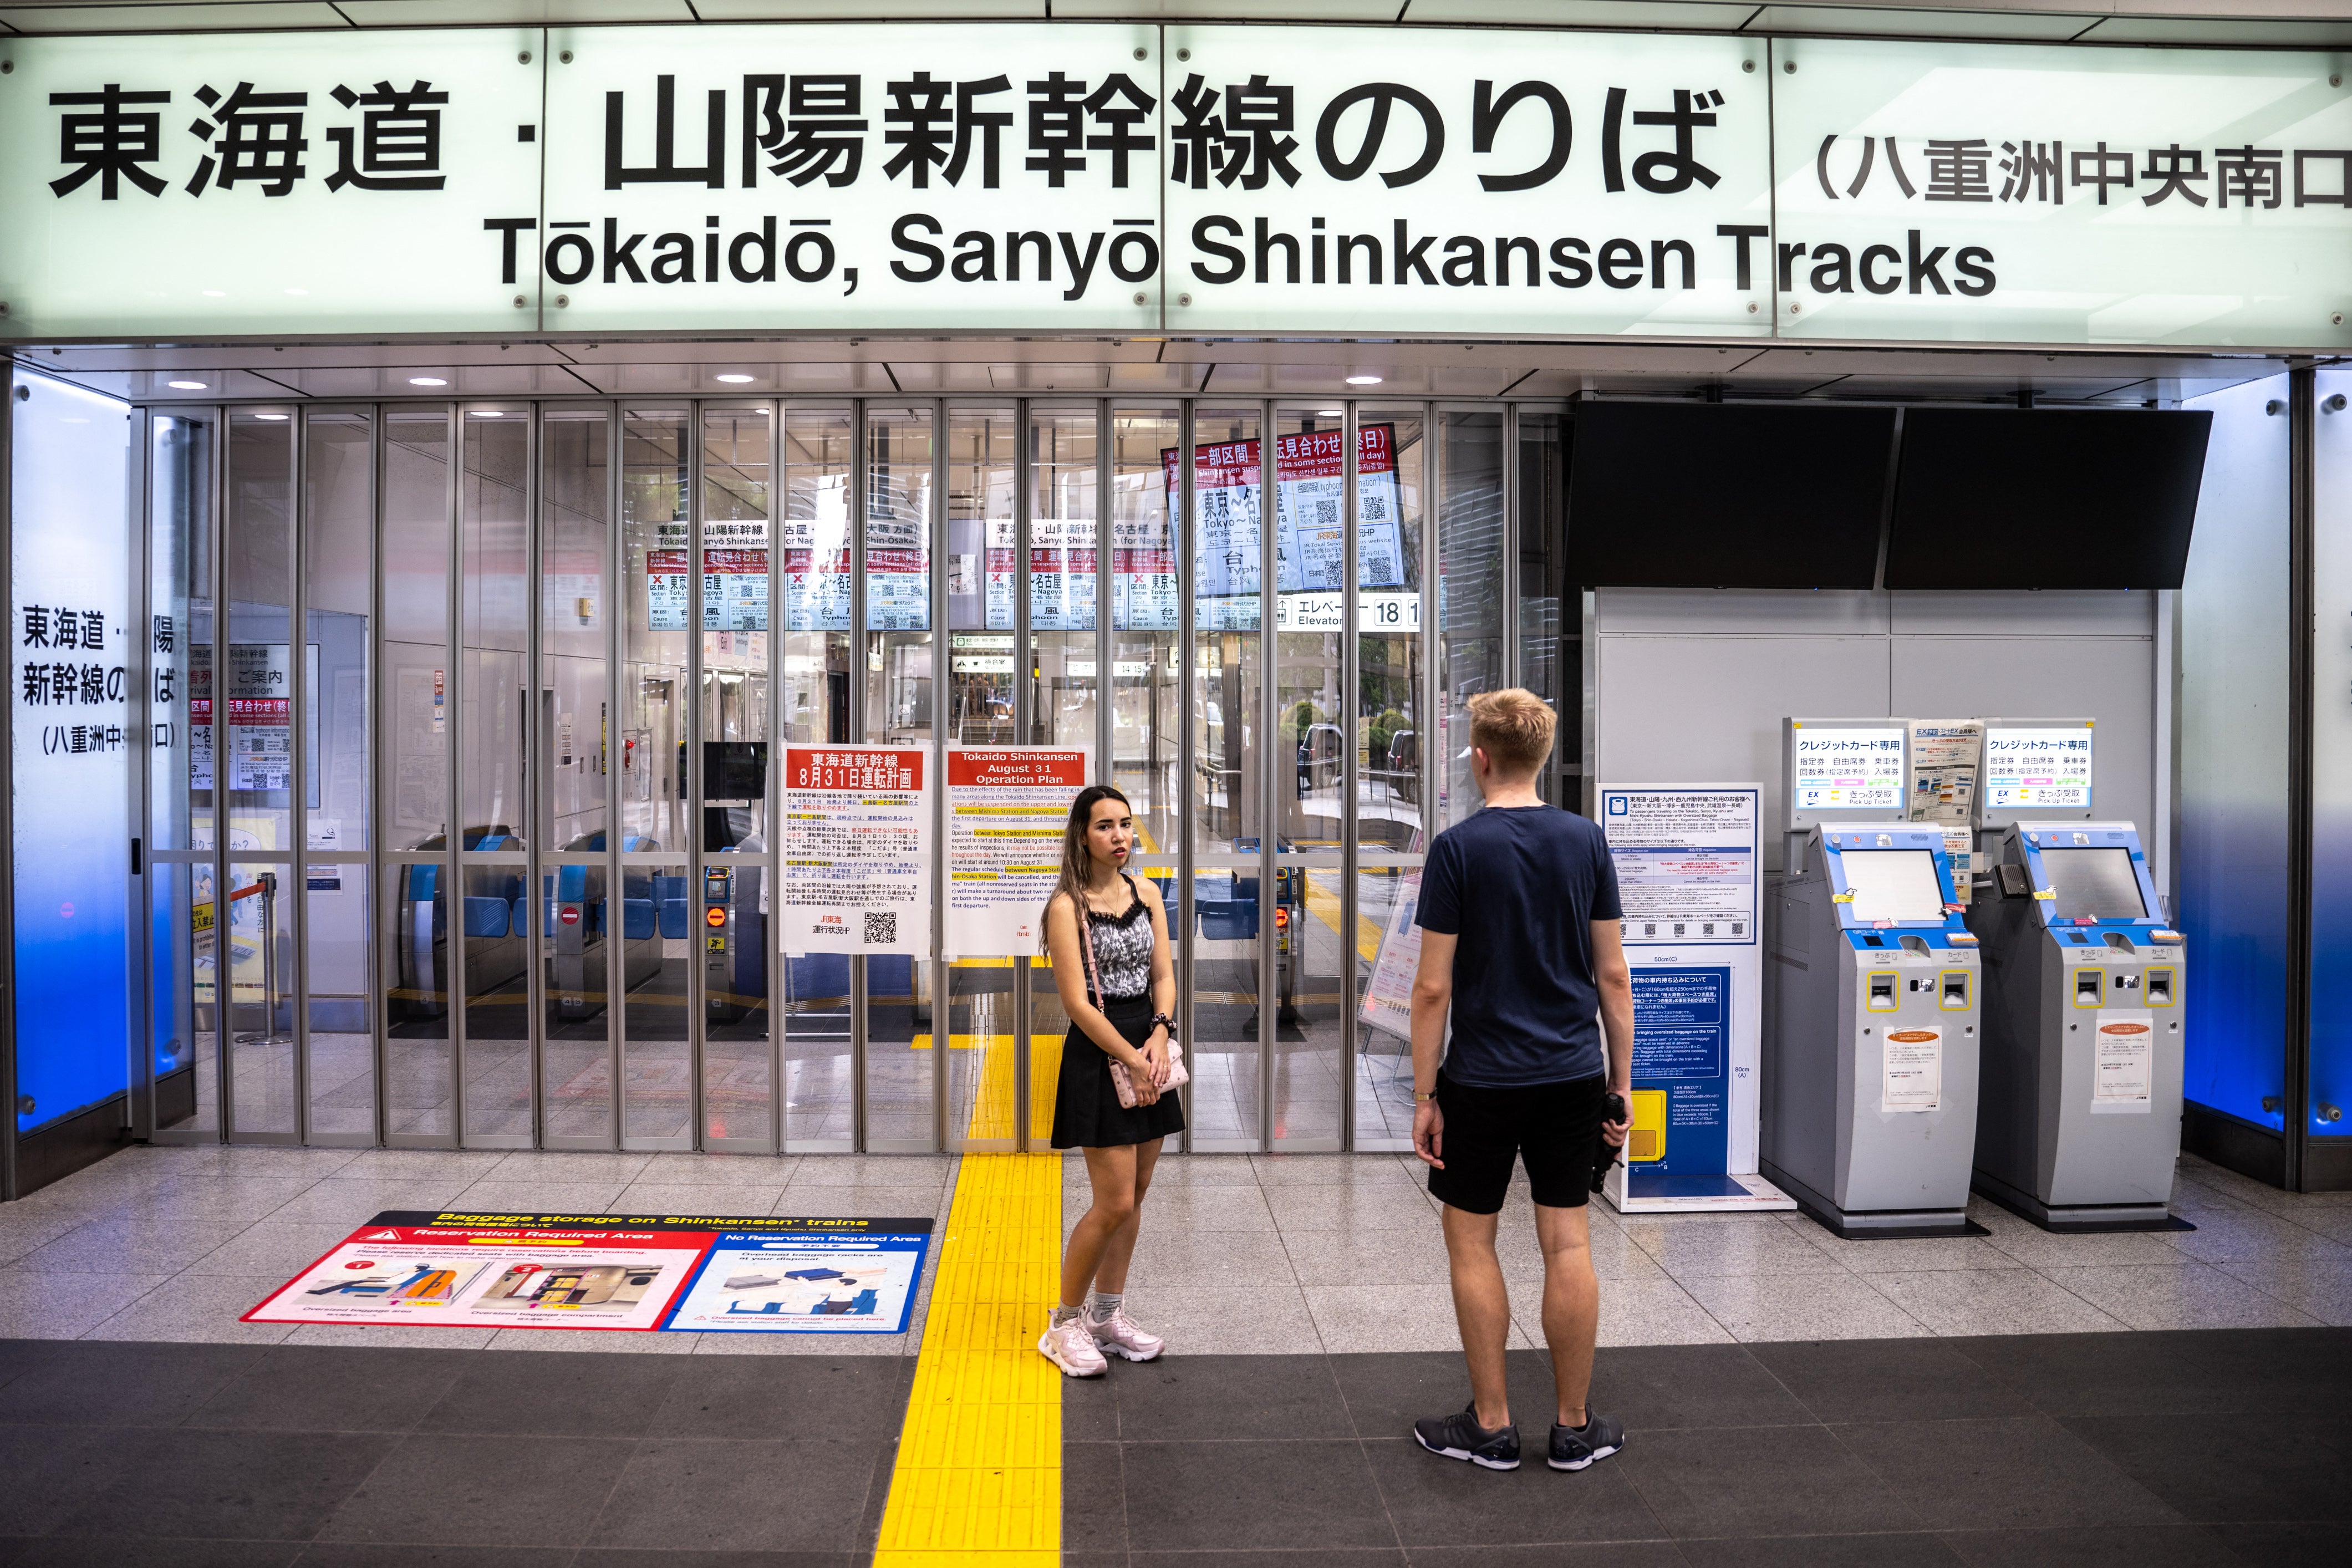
x,y
881,927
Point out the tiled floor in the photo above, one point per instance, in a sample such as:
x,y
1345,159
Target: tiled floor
x,y
1241,1255
178,1243
209,1456
2204,1448
1343,1254
1988,1400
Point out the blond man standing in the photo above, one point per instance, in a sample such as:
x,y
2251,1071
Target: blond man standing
x,y
1520,942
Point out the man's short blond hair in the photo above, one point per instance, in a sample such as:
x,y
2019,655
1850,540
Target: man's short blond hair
x,y
1513,727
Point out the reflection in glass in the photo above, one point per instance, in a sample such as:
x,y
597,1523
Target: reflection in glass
x,y
1145,728
1064,513
1470,579
820,465
495,916
981,576
338,581
732,907
657,910
419,1072
1311,950
1228,801
581,956
899,699
253,760
1391,635
182,1011
1550,633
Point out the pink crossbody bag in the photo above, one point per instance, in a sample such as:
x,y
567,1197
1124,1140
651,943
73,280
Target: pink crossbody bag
x,y
1121,1080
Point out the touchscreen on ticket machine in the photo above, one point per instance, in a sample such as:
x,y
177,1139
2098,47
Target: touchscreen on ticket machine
x,y
1870,1094
2080,1118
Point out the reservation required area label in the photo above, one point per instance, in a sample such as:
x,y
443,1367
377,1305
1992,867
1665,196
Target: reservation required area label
x,y
645,1273
1687,862
1007,808
856,830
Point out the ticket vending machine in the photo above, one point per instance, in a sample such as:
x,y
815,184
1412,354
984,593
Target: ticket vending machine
x,y
1870,1073
2078,1124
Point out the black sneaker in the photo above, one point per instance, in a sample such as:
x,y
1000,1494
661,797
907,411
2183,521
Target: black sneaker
x,y
1574,1449
1461,1437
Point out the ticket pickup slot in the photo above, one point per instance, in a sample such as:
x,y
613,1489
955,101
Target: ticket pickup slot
x,y
2159,987
2089,987
1952,993
1885,993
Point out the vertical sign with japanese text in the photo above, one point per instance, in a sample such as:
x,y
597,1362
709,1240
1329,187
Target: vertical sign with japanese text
x,y
71,745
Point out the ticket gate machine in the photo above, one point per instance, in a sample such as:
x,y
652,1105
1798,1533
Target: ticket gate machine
x,y
2078,1124
1870,1070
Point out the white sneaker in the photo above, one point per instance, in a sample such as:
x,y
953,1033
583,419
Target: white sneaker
x,y
1071,1348
1119,1336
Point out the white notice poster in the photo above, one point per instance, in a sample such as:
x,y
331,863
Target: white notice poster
x,y
1913,1069
2123,1063
856,856
1686,863
2046,768
1848,770
1007,807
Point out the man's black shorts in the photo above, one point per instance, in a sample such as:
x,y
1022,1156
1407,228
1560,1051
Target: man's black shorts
x,y
1554,1127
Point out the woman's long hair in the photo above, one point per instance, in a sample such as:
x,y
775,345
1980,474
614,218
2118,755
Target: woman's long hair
x,y
1077,860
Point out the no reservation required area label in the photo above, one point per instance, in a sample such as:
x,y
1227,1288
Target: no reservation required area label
x,y
765,1273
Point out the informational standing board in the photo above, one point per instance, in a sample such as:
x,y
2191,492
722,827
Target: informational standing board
x,y
1007,809
646,1273
1690,880
857,835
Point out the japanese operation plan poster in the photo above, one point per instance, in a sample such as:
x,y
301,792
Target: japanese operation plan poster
x,y
857,850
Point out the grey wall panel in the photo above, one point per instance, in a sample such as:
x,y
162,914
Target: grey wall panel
x,y
2058,613
1721,610
2110,679
1708,709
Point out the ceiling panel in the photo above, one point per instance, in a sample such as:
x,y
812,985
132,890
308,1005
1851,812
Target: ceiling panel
x,y
238,17
1919,22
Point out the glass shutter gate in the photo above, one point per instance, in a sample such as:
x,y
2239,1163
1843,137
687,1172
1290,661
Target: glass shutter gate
x,y
468,720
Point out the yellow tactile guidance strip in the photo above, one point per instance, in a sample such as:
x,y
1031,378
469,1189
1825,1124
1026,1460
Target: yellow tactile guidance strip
x,y
979,1472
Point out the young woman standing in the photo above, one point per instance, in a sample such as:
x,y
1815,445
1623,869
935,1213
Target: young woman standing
x,y
1100,927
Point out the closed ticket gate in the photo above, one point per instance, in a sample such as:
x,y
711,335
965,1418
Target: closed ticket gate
x,y
2079,1120
1870,1066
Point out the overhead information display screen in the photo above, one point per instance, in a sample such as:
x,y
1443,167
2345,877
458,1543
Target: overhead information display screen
x,y
2094,884
1893,885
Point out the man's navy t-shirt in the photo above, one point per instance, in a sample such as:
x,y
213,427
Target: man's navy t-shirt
x,y
1520,886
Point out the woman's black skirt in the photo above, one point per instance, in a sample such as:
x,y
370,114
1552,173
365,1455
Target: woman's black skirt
x,y
1087,1112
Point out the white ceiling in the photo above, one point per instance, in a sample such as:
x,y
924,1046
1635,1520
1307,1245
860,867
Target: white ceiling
x,y
1138,366
2284,23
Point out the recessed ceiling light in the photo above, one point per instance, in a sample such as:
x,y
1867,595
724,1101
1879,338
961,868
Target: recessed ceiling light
x,y
487,413
185,385
272,416
732,380
1363,380
426,381
1327,414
